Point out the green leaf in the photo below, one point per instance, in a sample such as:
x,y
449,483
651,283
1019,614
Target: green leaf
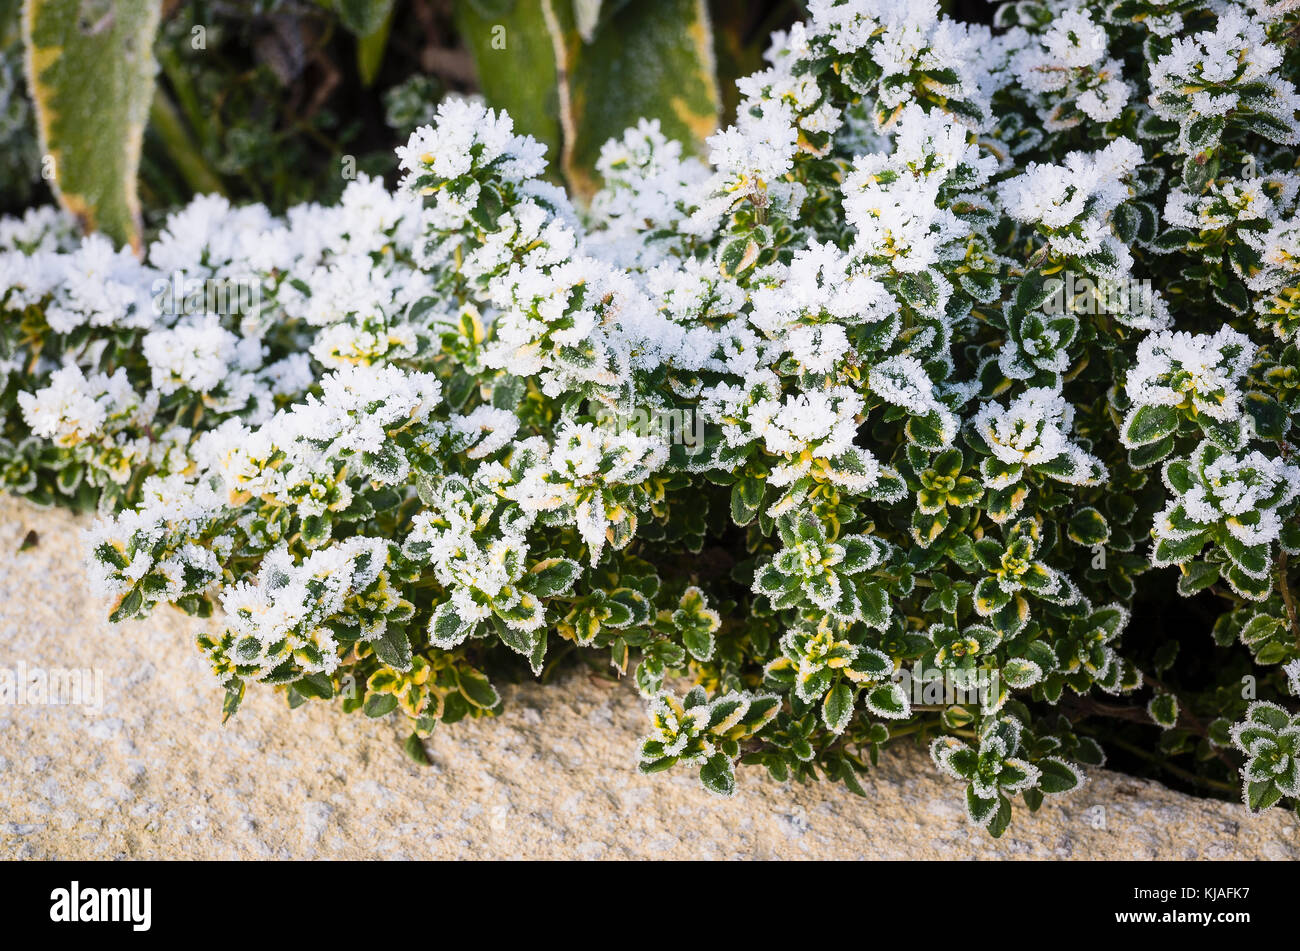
x,y
553,576
656,765
1174,239
128,607
394,647
1271,418
1260,628
1176,551
1233,297
1163,709
380,704
1165,656
1204,132
1019,673
1179,475
1088,527
837,708
761,711
446,629
1257,589
925,431
888,700
981,810
1001,818
956,716
718,775
1252,559
371,46
737,256
477,689
1058,776
1273,653
316,530
1150,424
1196,576
92,70
315,685
233,698
634,601
1144,456
1125,220
414,749
746,499
1261,795
487,211
1033,291
699,642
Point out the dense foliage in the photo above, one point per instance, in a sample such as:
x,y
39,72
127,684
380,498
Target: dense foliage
x,y
871,425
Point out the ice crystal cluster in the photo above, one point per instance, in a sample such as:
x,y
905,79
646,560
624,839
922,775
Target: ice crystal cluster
x,y
982,330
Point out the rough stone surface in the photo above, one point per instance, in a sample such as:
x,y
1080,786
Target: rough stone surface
x,y
155,775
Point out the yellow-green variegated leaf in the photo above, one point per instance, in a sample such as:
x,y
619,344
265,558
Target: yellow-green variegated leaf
x,y
574,75
648,59
515,55
90,69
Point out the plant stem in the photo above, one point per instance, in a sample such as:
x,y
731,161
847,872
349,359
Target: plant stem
x,y
1186,719
1288,598
1176,770
166,121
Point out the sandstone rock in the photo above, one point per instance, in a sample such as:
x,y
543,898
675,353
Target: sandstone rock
x,y
154,774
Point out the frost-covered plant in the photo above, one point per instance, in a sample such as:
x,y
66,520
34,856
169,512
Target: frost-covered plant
x,y
975,327
1270,738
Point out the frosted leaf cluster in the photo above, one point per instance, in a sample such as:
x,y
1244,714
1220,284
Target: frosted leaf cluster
x,y
1067,72
1225,74
1199,371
